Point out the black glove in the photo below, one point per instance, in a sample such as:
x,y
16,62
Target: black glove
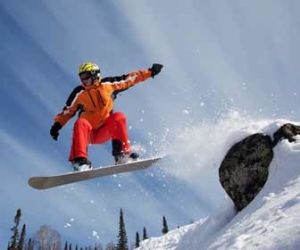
x,y
54,130
155,69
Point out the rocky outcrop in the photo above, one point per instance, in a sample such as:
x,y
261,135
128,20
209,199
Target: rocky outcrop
x,y
245,168
287,131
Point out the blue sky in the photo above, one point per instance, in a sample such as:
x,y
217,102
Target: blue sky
x,y
219,56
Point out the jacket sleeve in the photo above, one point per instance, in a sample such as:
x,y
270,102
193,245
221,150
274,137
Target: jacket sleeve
x,y
70,108
126,81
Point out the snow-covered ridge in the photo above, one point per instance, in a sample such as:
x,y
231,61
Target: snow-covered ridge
x,y
271,221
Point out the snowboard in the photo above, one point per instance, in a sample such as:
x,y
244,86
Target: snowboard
x,y
45,182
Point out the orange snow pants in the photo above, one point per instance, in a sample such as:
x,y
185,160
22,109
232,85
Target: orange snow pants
x,y
114,128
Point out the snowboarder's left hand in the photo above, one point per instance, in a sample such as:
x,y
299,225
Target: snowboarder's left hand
x,y
155,69
54,130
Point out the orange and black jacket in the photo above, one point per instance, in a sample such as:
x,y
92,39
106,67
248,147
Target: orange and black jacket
x,y
96,101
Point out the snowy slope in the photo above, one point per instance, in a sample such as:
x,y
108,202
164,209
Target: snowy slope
x,y
271,221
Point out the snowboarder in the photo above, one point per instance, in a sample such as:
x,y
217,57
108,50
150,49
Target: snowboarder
x,y
97,122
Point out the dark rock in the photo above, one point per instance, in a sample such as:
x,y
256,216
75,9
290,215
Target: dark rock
x,y
287,131
244,170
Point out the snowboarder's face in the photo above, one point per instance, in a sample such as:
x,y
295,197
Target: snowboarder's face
x,y
86,78
88,82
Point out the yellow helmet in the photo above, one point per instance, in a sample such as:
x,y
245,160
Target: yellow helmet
x,y
90,67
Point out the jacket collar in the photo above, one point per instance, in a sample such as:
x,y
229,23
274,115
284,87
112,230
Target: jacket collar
x,y
93,86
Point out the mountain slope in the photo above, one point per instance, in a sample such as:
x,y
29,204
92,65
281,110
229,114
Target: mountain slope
x,y
271,221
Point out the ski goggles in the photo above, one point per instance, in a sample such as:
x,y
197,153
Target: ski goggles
x,y
85,76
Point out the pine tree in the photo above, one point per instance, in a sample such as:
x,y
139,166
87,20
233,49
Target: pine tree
x,y
137,240
15,238
165,228
30,244
122,242
145,236
22,238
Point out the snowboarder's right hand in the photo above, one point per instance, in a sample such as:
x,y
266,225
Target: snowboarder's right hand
x,y
54,130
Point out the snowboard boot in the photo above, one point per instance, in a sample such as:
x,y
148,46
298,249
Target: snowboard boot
x,y
125,158
119,155
81,164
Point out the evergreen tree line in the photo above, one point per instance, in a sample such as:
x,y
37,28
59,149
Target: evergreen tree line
x,y
47,238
